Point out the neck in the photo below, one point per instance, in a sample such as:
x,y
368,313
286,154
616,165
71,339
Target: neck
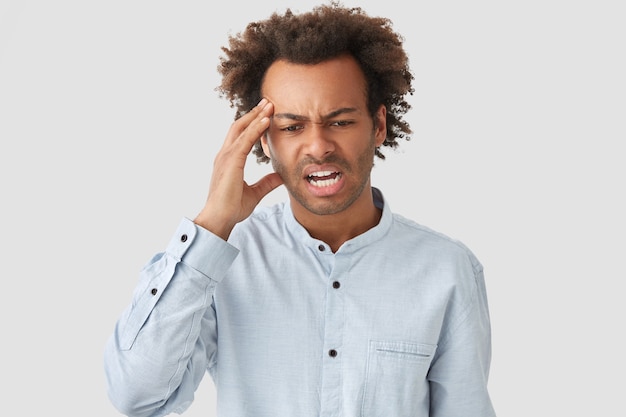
x,y
336,229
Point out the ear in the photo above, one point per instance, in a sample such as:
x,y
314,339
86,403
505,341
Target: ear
x,y
265,145
380,125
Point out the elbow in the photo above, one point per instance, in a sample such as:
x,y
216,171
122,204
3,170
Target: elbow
x,y
131,398
129,390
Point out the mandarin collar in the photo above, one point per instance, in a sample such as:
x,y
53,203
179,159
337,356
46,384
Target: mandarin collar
x,y
364,239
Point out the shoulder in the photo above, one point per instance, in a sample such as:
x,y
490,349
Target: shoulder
x,y
263,219
432,242
266,215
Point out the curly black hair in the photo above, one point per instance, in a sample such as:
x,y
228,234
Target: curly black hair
x,y
326,32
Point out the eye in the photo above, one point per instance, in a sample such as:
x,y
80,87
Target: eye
x,y
342,123
291,128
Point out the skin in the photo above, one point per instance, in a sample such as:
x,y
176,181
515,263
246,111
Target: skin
x,y
315,121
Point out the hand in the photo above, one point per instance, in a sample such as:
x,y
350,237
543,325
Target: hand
x,y
231,199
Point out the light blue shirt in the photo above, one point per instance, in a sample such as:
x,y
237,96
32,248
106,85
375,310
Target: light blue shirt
x,y
394,324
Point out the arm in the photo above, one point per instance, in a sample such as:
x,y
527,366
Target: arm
x,y
460,369
164,341
166,338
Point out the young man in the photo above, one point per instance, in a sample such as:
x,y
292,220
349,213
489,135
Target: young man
x,y
328,304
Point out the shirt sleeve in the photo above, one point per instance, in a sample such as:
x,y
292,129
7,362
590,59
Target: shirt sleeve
x,y
460,370
165,339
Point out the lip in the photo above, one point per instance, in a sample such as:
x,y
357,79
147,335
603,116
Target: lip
x,y
311,169
328,189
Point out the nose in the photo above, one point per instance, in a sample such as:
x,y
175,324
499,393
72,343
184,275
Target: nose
x,y
318,142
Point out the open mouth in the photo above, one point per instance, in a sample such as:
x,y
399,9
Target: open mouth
x,y
323,178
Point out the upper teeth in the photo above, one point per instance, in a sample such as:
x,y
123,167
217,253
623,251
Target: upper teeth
x,y
321,174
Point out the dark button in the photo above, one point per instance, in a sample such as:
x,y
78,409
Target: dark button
x,y
183,238
322,248
154,291
332,353
336,284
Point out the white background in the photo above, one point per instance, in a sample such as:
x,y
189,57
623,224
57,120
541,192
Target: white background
x,y
109,122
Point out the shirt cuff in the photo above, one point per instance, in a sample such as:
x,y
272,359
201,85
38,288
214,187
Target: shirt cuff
x,y
202,250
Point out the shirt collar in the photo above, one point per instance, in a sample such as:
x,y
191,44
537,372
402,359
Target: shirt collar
x,y
364,239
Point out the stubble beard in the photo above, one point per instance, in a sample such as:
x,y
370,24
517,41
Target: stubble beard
x,y
328,206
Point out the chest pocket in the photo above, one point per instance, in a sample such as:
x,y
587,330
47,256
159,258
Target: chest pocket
x,y
395,383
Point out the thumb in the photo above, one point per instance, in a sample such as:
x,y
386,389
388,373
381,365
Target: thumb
x,y
266,184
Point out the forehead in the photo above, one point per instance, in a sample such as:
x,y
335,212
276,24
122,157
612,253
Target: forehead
x,y
317,88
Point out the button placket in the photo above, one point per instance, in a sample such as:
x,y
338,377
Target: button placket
x,y
333,338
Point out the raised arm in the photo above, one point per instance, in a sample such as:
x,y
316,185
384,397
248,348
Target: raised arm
x,y
165,340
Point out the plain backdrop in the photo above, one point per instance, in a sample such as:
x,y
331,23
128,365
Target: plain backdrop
x,y
109,122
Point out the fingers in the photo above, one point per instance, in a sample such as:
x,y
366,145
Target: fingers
x,y
248,128
230,199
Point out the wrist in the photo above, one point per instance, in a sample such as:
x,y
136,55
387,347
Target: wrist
x,y
214,225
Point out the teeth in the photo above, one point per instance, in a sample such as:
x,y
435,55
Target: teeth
x,y
323,183
321,174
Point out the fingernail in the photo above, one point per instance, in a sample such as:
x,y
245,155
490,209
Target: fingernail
x,y
262,102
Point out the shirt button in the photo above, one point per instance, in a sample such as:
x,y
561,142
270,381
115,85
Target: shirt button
x,y
322,248
154,291
183,238
336,284
332,353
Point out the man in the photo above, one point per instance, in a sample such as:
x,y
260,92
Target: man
x,y
328,304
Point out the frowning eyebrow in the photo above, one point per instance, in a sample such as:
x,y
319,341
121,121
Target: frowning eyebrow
x,y
300,118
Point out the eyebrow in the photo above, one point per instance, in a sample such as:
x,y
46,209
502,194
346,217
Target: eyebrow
x,y
300,118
